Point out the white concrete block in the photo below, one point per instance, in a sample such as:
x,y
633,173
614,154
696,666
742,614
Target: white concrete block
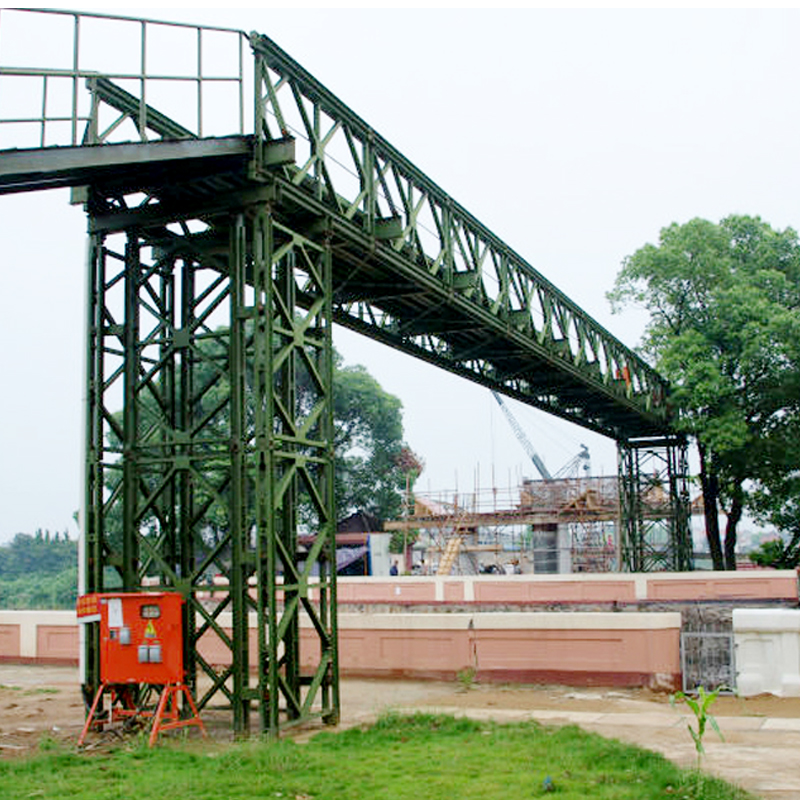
x,y
767,651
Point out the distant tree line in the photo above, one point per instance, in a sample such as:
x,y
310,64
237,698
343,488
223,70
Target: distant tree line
x,y
39,571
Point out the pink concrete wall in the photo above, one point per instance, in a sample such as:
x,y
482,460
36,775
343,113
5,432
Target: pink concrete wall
x,y
629,648
764,585
586,649
522,590
214,651
621,588
9,641
56,643
454,591
578,588
587,657
391,590
403,653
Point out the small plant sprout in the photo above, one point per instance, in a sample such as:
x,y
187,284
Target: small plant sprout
x,y
699,708
466,678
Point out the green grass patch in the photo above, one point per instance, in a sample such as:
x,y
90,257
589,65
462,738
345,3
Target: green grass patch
x,y
417,757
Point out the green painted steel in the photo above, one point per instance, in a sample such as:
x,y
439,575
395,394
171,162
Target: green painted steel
x,y
217,267
414,269
654,505
207,457
411,266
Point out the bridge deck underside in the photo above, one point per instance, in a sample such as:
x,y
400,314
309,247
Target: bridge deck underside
x,y
124,167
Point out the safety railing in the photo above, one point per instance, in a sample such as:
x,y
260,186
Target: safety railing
x,y
51,61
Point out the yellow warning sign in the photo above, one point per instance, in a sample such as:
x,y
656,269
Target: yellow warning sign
x,y
150,631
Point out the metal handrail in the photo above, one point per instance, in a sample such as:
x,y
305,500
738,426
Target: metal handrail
x,y
64,97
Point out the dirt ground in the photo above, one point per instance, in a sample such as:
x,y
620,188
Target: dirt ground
x,y
762,734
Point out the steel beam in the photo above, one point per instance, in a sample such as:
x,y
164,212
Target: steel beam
x,y
130,165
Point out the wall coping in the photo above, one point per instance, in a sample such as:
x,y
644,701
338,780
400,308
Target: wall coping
x,y
38,617
483,620
750,574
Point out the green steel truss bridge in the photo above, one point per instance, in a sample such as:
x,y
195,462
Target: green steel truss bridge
x,y
237,209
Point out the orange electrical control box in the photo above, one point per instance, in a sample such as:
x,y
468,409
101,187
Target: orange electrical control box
x,y
141,636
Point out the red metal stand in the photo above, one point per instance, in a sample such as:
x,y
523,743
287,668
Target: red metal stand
x,y
168,710
166,716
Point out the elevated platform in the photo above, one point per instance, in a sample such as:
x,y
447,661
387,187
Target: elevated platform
x,y
125,167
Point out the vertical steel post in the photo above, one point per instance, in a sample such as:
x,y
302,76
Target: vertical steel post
x,y
130,417
91,550
264,477
184,451
239,518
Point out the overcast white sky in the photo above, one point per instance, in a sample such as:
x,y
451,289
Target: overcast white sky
x,y
574,135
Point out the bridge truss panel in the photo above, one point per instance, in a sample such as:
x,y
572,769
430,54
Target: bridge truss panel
x,y
411,267
414,269
654,505
209,429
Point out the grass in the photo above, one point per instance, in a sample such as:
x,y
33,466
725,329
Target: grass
x,y
421,757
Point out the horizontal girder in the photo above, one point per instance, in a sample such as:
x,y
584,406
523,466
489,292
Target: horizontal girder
x,y
130,165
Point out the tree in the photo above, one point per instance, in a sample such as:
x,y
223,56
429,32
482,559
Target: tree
x,y
411,465
776,498
38,572
368,444
724,304
775,553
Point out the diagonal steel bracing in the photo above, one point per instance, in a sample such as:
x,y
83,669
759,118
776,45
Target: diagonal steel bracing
x,y
414,269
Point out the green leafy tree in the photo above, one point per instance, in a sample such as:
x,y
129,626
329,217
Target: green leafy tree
x,y
368,444
724,329
775,553
411,465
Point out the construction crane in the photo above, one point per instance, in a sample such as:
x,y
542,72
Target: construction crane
x,y
582,457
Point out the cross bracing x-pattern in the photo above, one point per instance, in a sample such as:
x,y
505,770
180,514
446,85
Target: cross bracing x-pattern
x,y
236,209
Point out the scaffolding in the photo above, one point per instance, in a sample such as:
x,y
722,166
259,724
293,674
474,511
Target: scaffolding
x,y
541,526
560,526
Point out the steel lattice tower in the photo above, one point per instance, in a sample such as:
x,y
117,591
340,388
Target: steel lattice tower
x,y
654,505
209,443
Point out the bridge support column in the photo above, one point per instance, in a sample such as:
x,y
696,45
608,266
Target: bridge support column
x,y
654,505
209,447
